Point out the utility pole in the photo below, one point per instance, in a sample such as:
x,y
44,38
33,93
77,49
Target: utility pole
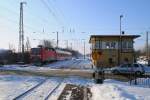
x,y
21,32
28,46
71,45
84,49
120,42
67,44
57,40
147,47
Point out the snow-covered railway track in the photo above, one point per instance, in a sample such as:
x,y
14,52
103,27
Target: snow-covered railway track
x,y
42,91
75,64
51,92
31,89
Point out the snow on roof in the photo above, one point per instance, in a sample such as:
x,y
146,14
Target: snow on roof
x,y
63,52
111,35
123,35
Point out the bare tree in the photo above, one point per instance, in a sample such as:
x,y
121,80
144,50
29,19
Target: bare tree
x,y
27,45
47,43
12,47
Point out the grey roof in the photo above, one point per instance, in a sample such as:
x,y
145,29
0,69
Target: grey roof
x,y
134,36
123,35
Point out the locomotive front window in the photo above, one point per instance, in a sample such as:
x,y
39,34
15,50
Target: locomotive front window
x,y
35,51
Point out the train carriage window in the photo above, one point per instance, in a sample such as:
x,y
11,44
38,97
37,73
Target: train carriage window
x,y
35,51
53,49
49,49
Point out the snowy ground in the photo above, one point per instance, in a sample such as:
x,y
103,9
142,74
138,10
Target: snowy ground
x,y
72,64
115,90
12,85
142,62
81,64
66,64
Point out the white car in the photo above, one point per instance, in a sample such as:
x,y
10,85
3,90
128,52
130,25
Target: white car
x,y
129,68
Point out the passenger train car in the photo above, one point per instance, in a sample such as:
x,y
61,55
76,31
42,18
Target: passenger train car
x,y
44,54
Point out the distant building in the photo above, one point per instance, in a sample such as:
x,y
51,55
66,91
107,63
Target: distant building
x,y
112,50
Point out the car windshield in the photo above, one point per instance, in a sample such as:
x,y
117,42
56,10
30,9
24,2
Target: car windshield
x,y
136,65
129,65
124,65
141,65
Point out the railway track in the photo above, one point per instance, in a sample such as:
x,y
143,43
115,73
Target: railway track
x,y
51,92
42,91
31,89
75,64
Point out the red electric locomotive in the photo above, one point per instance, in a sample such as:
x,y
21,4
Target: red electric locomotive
x,y
44,54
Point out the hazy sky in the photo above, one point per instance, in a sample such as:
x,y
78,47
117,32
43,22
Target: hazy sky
x,y
74,19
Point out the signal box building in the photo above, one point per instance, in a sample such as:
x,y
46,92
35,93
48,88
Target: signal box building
x,y
112,50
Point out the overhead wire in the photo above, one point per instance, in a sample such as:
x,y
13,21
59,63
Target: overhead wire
x,y
42,20
16,22
58,11
51,12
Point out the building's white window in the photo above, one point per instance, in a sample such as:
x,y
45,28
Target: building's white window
x,y
113,45
107,45
93,46
130,44
110,45
124,44
127,44
97,45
